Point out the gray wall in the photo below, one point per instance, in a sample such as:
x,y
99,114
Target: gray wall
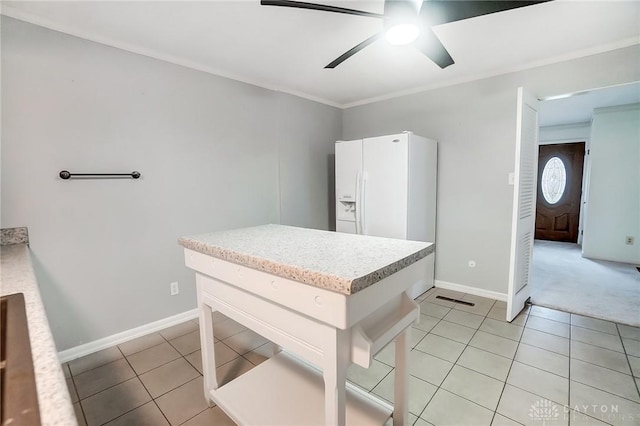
x,y
307,169
474,124
213,153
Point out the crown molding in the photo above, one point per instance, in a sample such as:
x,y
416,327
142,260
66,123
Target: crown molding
x,y
621,44
154,54
12,12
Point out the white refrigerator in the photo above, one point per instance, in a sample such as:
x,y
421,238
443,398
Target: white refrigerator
x,y
386,187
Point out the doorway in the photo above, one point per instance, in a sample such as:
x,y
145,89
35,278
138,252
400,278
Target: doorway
x,y
565,273
560,169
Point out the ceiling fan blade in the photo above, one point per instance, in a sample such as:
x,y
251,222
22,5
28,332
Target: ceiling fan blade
x,y
349,53
429,44
321,7
436,12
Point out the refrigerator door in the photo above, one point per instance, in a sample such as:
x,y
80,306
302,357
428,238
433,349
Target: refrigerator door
x,y
385,186
348,174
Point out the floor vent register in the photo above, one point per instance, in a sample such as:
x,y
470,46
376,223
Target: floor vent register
x,y
449,299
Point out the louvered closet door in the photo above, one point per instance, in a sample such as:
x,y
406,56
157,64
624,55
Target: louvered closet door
x,y
524,203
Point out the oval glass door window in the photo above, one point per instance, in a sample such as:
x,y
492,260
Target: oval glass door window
x,y
554,180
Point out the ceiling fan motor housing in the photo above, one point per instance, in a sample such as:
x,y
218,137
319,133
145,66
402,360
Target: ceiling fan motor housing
x,y
401,12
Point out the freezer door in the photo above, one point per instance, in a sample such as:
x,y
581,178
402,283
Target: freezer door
x,y
348,165
346,227
385,186
348,172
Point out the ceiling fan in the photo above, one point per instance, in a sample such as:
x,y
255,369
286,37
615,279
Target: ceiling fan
x,y
411,21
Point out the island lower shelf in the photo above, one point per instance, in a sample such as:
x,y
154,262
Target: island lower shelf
x,y
285,391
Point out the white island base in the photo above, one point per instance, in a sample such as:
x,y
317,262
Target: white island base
x,y
321,331
286,391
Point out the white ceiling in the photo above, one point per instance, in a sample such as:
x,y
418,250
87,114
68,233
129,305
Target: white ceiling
x,y
286,49
578,107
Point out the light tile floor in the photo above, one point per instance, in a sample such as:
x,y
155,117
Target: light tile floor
x,y
468,367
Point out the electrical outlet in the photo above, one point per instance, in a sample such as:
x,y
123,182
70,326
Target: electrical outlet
x,y
628,240
174,288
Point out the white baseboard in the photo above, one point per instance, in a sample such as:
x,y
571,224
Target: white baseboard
x,y
471,290
125,336
116,339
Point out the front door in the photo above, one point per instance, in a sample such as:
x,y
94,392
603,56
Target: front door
x,y
559,191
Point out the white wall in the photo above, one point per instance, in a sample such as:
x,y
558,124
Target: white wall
x,y
474,124
613,207
213,153
564,133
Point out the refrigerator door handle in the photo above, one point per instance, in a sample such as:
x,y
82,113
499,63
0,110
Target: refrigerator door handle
x,y
358,202
363,190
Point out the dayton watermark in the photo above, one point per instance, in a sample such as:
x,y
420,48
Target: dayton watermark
x,y
546,412
605,412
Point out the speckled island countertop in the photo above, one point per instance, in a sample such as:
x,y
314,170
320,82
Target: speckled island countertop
x,y
17,276
344,263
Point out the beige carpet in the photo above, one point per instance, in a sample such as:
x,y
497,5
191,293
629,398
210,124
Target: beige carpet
x,y
562,279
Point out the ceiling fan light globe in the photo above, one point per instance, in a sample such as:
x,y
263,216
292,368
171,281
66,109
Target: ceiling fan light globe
x,y
402,34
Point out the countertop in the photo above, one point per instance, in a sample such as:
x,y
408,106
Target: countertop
x,y
16,276
340,262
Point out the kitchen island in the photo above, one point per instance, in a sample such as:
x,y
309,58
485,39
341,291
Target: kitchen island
x,y
328,299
